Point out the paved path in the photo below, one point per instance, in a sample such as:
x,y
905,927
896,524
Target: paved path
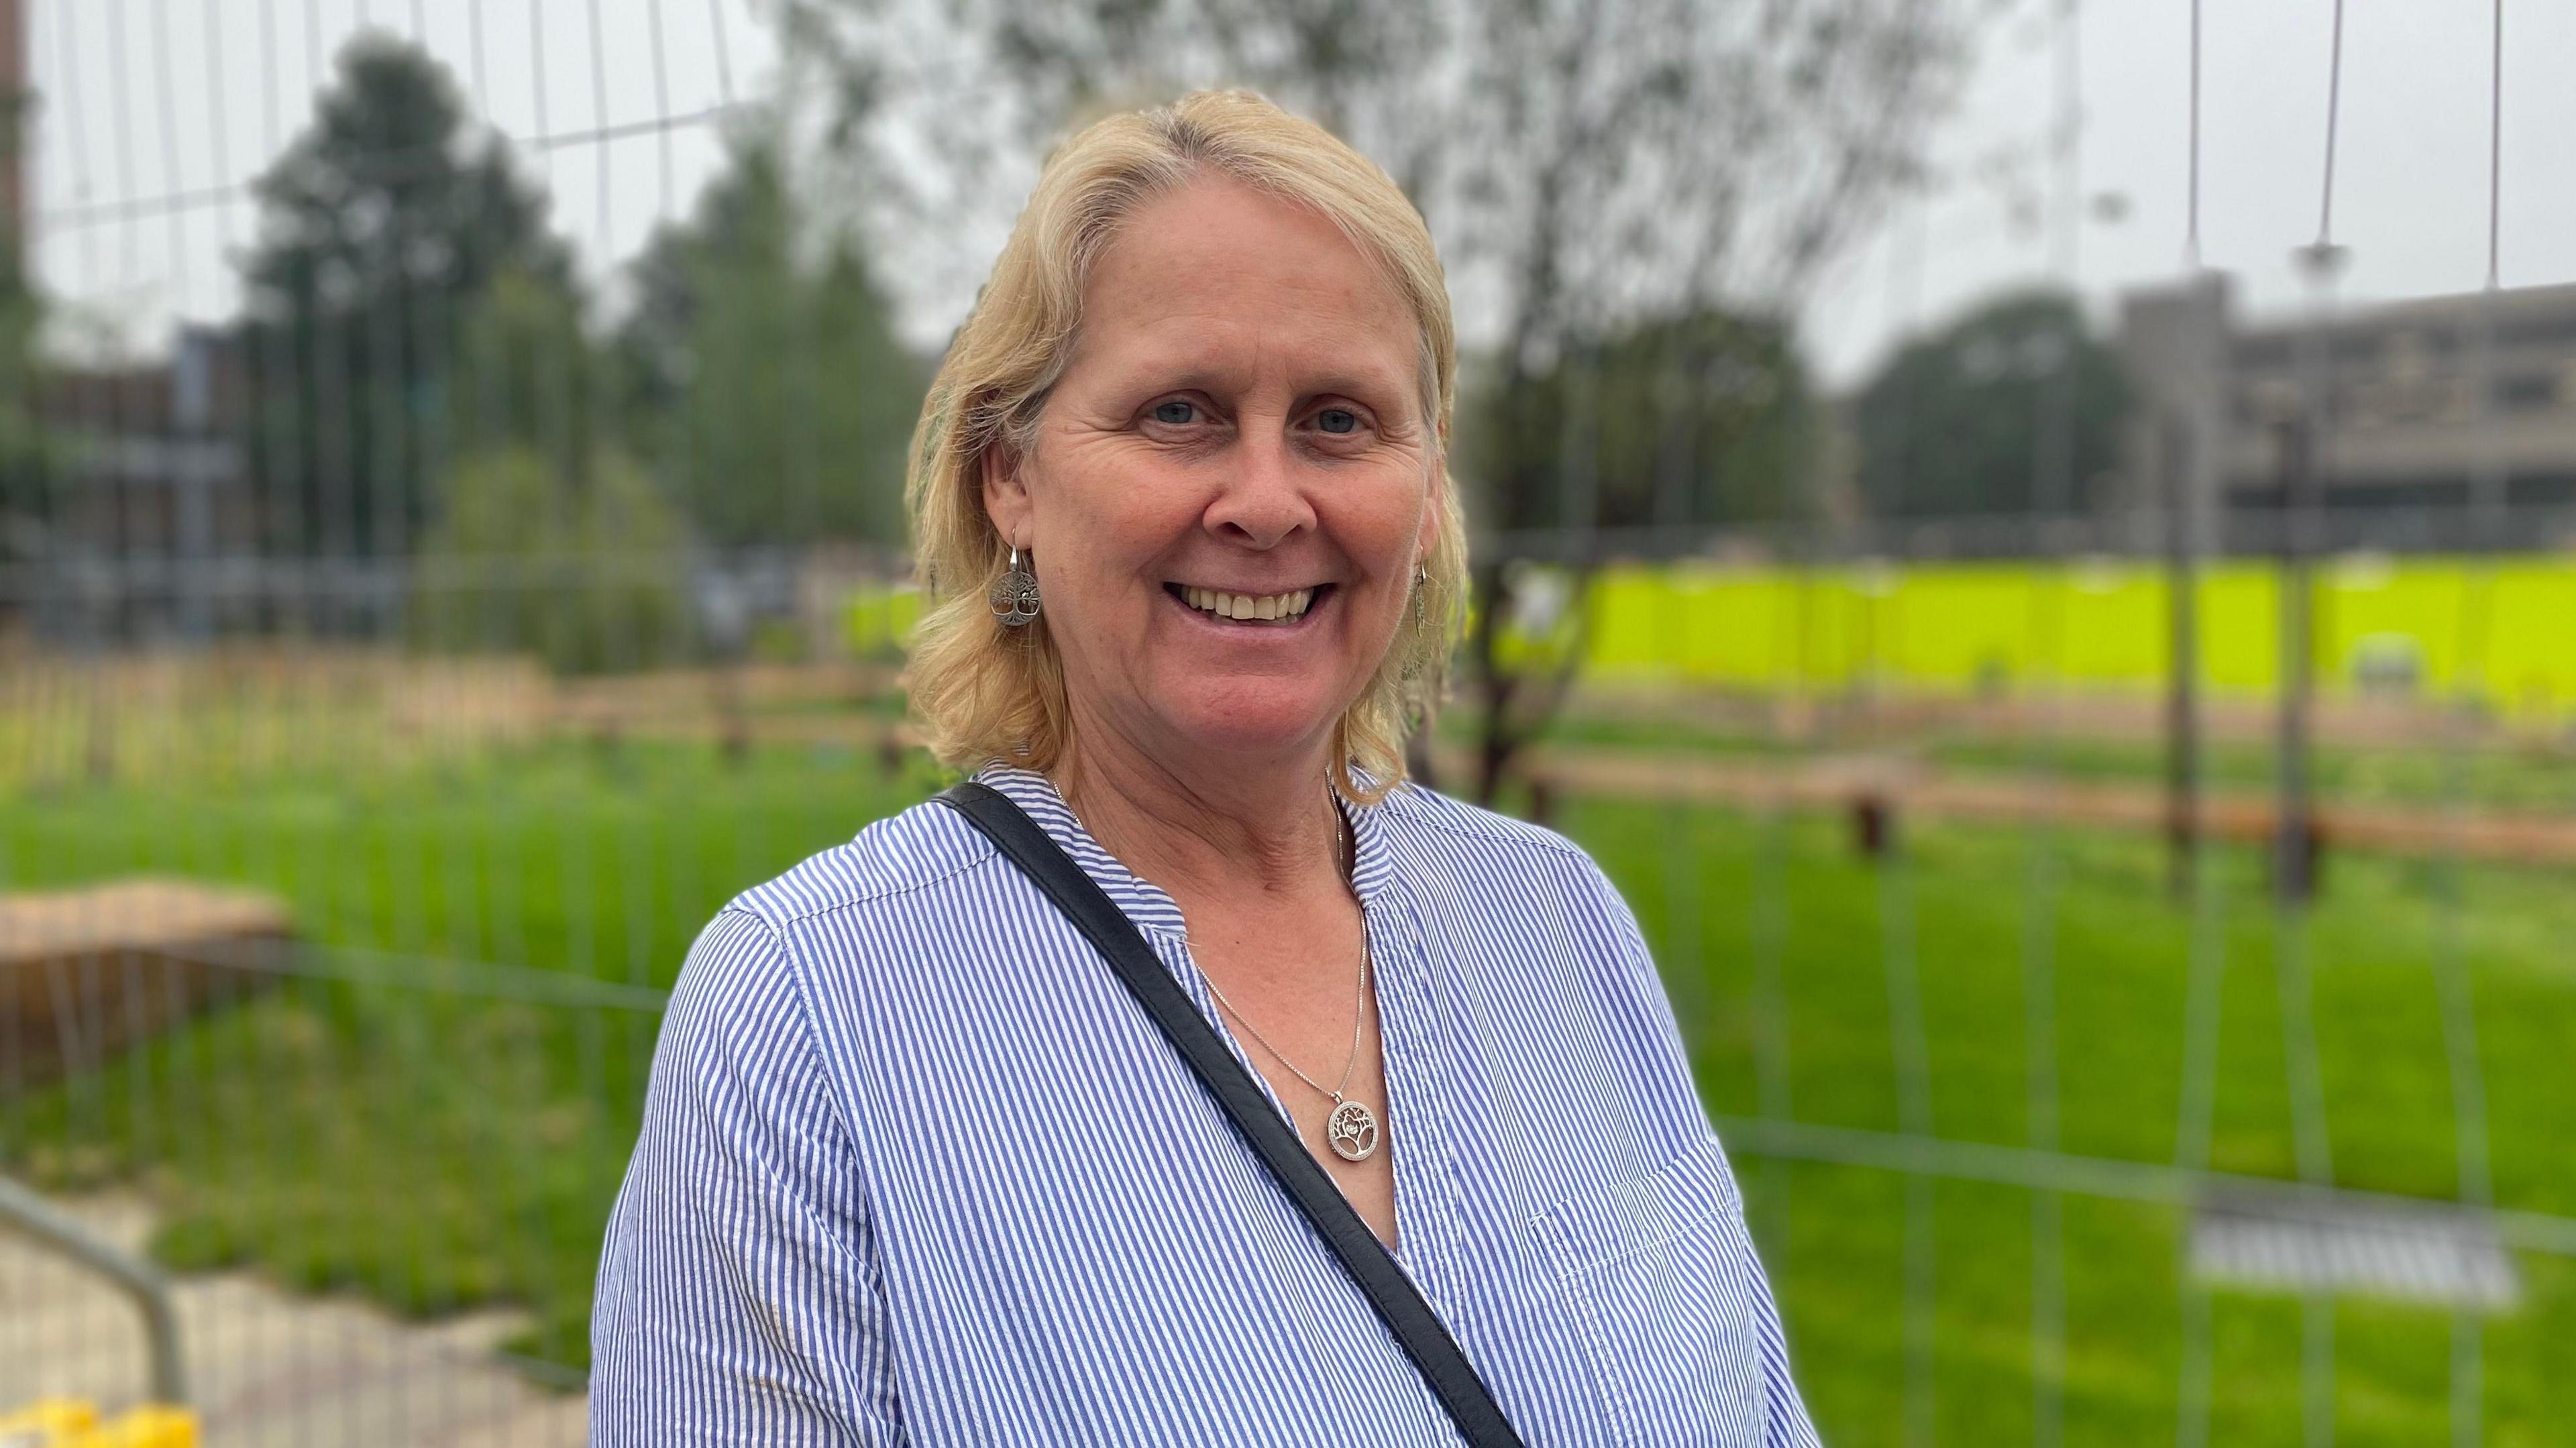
x,y
267,1369
1835,781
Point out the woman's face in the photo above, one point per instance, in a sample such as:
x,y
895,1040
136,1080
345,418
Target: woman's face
x,y
1239,431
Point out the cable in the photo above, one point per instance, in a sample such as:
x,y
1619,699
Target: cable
x,y
2334,104
724,51
2191,234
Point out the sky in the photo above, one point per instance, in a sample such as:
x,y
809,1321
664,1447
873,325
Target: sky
x,y
154,99
2411,184
144,101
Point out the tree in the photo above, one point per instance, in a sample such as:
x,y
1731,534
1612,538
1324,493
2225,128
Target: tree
x,y
1588,166
1957,423
1677,421
583,572
527,375
26,502
379,227
761,374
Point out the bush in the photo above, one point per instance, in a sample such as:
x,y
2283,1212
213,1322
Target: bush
x,y
585,572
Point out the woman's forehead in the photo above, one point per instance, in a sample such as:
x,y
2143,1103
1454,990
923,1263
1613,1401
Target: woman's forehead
x,y
1218,284
1231,355
1212,243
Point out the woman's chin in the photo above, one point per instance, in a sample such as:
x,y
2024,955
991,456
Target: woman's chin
x,y
1249,728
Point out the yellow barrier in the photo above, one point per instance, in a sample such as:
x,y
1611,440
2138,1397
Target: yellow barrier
x,y
141,1428
68,1423
2506,626
46,1423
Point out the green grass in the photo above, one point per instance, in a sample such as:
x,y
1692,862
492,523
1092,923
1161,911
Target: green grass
x,y
1834,1235
401,1136
434,1148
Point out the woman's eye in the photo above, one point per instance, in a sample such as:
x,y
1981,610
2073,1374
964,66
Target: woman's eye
x,y
1176,412
1338,419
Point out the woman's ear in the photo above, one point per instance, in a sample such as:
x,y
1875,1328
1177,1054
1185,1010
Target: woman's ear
x,y
1006,495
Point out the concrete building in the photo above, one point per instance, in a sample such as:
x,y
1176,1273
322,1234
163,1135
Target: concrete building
x,y
2435,436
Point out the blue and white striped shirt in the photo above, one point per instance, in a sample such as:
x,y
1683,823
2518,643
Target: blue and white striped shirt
x,y
916,1169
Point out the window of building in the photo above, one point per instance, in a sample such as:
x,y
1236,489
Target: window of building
x,y
2526,392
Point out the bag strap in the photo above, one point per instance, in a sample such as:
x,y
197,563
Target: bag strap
x,y
1416,1327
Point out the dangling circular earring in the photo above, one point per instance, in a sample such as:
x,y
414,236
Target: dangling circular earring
x,y
1014,595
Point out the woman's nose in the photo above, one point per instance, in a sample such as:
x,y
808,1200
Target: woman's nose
x,y
1263,499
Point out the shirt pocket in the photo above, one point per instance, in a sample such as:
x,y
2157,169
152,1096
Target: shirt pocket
x,y
1657,1279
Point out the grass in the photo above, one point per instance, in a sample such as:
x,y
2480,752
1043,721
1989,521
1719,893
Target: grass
x,y
436,1148
411,1136
1975,897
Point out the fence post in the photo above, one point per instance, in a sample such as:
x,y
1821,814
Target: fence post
x,y
24,1212
2182,701
2294,831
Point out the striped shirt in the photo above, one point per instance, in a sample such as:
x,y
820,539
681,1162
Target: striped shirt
x,y
917,1169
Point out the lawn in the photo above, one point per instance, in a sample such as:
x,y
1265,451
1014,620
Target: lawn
x,y
437,1136
436,1133
1834,1235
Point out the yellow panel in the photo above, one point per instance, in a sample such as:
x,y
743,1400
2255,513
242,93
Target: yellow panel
x,y
2504,628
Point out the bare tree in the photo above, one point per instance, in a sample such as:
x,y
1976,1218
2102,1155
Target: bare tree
x,y
1589,167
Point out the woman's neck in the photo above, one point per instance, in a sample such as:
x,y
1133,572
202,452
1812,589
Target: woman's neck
x,y
1222,831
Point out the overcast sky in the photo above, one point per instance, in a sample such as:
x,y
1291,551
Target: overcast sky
x,y
159,98
2411,158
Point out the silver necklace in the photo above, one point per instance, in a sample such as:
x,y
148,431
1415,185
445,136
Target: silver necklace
x,y
1350,1128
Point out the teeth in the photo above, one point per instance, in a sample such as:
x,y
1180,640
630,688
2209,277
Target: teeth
x,y
1249,606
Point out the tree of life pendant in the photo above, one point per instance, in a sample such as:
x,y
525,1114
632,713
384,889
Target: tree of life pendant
x,y
1014,597
1351,1131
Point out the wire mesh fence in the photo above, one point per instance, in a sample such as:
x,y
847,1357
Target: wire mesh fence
x,y
2121,932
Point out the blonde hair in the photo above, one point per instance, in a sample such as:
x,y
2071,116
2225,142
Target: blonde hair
x,y
981,691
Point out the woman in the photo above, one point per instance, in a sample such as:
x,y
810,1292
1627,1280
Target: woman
x,y
916,1168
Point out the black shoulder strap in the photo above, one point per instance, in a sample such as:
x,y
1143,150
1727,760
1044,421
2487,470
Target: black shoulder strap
x,y
1092,912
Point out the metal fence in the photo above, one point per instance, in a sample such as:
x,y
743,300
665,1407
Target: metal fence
x,y
333,975
2111,1057
317,1196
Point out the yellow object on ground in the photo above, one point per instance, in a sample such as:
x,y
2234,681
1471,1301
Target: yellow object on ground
x,y
69,1423
45,1423
141,1428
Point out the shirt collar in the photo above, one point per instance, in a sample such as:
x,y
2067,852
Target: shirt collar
x,y
1144,902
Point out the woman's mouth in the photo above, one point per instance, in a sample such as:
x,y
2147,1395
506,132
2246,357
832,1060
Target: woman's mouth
x,y
1273,610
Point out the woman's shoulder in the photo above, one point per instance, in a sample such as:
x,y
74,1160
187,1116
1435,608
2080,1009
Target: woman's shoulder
x,y
889,864
1420,814
1475,859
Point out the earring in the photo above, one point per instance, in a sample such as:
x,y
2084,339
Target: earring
x,y
1014,595
1421,585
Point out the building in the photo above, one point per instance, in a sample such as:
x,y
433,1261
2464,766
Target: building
x,y
2434,433
150,500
